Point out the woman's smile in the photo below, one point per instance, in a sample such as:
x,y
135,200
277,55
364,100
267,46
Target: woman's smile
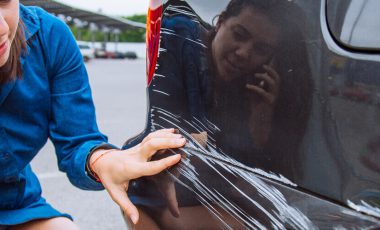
x,y
3,48
233,67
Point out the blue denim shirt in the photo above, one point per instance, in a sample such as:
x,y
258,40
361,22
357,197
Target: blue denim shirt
x,y
51,100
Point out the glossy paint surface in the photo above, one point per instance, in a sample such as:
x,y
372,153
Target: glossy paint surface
x,y
282,134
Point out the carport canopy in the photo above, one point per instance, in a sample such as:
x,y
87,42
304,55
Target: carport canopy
x,y
85,17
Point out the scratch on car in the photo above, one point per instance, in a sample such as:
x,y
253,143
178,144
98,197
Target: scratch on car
x,y
158,91
365,208
283,213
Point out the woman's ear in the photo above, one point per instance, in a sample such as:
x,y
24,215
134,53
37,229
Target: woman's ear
x,y
217,27
219,22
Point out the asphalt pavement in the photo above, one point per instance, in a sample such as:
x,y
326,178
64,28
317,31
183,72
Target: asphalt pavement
x,y
118,88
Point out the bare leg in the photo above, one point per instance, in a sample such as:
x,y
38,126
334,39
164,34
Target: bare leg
x,y
194,217
145,221
58,223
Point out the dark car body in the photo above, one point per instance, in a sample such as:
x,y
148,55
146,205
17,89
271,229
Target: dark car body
x,y
318,165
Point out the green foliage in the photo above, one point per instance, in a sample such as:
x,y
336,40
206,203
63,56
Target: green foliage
x,y
137,18
132,35
135,35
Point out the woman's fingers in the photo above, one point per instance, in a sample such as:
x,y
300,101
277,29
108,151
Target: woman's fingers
x,y
261,92
272,79
168,133
118,194
154,167
150,147
266,79
272,73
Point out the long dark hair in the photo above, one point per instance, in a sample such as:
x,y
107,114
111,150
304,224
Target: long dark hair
x,y
292,109
12,68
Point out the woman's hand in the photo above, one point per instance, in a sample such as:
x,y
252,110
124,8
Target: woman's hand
x,y
117,168
268,88
262,102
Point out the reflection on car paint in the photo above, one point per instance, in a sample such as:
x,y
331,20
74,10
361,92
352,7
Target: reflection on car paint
x,y
259,198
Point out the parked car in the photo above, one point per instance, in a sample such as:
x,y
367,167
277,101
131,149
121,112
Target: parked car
x,y
269,147
115,55
130,55
86,50
100,53
356,94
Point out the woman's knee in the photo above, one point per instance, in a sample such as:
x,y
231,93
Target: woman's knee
x,y
57,223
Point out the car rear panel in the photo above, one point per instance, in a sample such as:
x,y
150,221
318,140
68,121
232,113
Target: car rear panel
x,y
319,166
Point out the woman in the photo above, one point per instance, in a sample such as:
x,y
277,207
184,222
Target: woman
x,y
250,78
259,60
44,93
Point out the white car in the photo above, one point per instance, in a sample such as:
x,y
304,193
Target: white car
x,y
86,50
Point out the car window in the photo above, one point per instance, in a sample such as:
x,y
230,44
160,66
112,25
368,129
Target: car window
x,y
355,23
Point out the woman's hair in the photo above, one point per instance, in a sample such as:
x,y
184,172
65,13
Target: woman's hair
x,y
281,13
293,105
12,68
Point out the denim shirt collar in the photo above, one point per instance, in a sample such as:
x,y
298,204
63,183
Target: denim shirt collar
x,y
32,25
30,20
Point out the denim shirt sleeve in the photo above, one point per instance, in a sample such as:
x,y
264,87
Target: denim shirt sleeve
x,y
72,126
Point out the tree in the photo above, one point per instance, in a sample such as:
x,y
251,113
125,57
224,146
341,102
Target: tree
x,y
138,34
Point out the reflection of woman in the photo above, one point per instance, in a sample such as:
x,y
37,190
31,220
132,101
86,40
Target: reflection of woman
x,y
261,77
250,78
256,89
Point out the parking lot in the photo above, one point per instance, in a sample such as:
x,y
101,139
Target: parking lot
x,y
118,88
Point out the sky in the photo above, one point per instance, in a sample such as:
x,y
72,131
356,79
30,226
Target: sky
x,y
111,7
